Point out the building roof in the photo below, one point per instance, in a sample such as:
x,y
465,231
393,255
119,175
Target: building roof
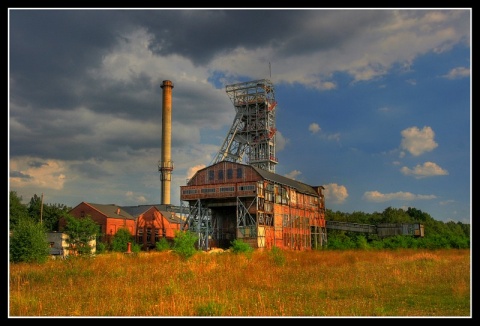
x,y
277,178
167,211
137,210
112,211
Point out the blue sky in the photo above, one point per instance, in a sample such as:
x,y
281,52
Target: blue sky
x,y
375,105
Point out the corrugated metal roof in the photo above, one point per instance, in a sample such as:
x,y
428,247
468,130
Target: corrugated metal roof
x,y
276,178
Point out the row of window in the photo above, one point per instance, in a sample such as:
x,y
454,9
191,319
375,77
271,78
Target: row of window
x,y
220,189
211,174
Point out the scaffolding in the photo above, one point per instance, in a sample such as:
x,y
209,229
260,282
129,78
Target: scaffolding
x,y
252,135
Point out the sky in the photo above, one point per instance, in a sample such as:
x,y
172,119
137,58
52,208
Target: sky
x,y
373,104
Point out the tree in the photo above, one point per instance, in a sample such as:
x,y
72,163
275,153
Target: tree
x,y
28,242
80,231
17,209
121,239
47,214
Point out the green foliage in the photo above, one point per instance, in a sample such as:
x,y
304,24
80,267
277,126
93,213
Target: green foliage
x,y
17,210
100,247
278,256
47,214
184,244
362,242
80,231
210,309
28,242
240,246
162,245
437,233
121,239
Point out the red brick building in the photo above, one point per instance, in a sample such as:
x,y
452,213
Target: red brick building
x,y
146,223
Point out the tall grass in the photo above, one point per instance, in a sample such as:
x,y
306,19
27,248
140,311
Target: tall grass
x,y
265,283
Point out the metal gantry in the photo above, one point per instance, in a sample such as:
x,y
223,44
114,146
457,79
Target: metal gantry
x,y
252,135
199,221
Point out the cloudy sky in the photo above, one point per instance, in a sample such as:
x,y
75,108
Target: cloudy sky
x,y
375,105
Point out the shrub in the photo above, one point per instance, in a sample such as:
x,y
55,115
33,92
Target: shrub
x,y
239,246
162,245
184,244
100,248
121,239
28,242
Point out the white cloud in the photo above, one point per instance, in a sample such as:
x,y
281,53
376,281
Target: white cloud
x,y
293,174
138,199
280,141
417,141
314,128
458,72
378,197
335,193
192,170
428,169
30,172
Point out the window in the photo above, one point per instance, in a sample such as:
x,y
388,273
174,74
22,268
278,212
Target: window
x,y
229,174
246,188
220,175
239,173
207,190
211,175
149,235
189,191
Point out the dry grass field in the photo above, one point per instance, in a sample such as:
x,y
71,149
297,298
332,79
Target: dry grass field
x,y
387,283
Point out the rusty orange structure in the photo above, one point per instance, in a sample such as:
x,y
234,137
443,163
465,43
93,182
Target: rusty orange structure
x,y
230,200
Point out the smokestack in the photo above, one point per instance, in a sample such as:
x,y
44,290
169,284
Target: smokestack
x,y
166,165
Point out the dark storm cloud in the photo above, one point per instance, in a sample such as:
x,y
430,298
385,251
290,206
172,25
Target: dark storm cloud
x,y
90,170
20,175
52,54
202,34
52,51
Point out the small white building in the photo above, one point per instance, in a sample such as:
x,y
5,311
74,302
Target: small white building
x,y
59,245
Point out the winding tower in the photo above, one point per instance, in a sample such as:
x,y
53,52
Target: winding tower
x,y
251,138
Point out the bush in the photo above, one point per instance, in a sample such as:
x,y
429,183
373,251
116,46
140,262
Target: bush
x,y
239,246
121,239
100,248
184,244
28,242
162,245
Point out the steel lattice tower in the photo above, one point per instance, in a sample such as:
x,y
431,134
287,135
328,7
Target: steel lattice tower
x,y
253,131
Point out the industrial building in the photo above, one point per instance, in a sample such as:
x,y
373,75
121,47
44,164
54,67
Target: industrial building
x,y
239,196
230,200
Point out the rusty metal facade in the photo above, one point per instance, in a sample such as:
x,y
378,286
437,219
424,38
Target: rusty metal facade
x,y
229,200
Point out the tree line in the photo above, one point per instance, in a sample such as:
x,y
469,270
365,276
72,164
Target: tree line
x,y
32,221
